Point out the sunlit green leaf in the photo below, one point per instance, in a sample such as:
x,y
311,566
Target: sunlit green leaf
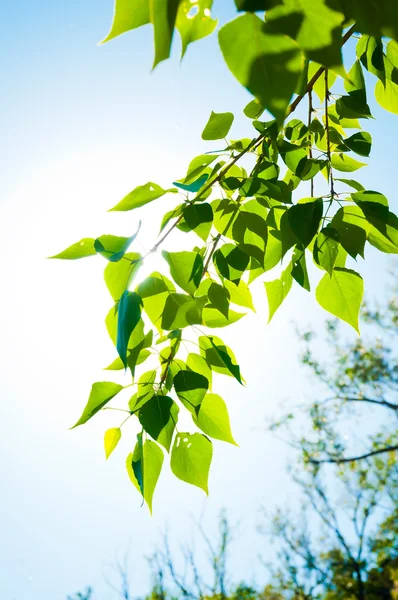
x,y
145,390
191,388
119,275
351,226
277,291
144,466
341,294
269,68
181,310
141,195
191,458
196,26
111,440
81,249
344,162
326,248
239,294
186,268
101,393
154,291
360,143
218,126
213,419
304,219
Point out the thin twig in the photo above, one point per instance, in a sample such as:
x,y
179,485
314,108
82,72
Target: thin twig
x,y
338,460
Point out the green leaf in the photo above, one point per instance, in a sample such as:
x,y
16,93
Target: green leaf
x,y
341,294
352,183
326,248
360,143
196,362
231,262
370,52
387,95
239,294
375,18
212,317
141,195
197,26
218,126
352,226
318,30
199,218
186,268
343,162
373,205
125,18
299,268
384,237
191,388
111,440
212,355
159,417
277,291
304,219
233,368
219,298
253,110
112,247
101,393
197,167
81,249
269,68
143,467
181,310
145,390
249,230
213,419
154,291
129,315
191,458
119,275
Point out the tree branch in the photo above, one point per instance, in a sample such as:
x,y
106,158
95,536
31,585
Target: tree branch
x,y
338,460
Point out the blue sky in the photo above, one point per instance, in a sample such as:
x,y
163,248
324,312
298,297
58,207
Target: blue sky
x,y
81,126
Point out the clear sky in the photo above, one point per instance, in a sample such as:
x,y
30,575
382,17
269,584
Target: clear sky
x,y
81,125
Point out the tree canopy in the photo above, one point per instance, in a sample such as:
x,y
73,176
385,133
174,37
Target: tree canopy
x,y
275,200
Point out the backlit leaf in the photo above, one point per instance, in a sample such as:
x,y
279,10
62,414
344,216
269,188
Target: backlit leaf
x,y
213,419
186,268
81,249
101,393
141,195
111,440
191,458
191,388
341,294
269,68
218,126
277,291
119,275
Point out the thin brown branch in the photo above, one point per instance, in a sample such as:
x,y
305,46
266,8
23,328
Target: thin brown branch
x,y
337,460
